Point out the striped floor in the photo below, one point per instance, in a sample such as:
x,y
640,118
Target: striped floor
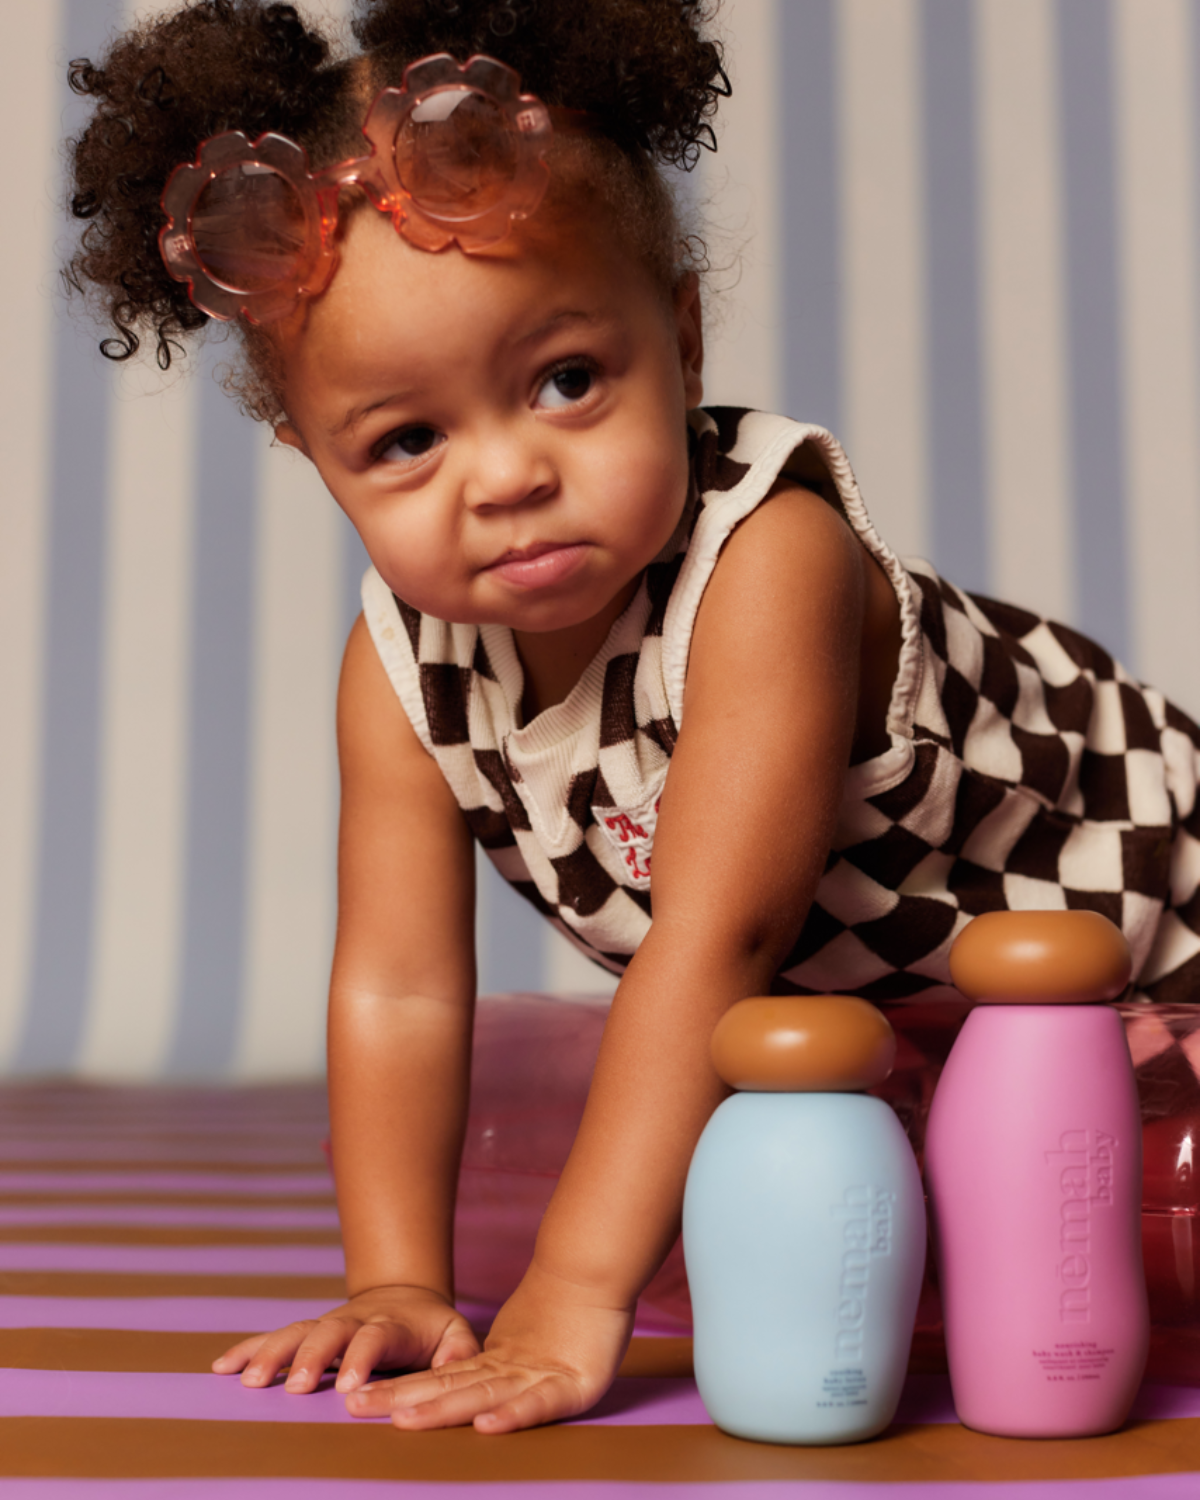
x,y
143,1230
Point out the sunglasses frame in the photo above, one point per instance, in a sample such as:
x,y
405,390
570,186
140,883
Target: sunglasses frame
x,y
377,173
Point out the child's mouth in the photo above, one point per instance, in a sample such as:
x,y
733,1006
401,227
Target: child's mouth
x,y
541,565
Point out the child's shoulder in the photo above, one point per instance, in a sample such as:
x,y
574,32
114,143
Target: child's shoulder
x,y
794,528
791,570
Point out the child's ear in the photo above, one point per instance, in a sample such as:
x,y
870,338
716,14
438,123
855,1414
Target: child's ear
x,y
290,437
690,329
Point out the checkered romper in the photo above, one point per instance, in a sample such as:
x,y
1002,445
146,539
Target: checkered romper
x,y
1026,769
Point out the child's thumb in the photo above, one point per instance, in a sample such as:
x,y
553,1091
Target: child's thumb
x,y
458,1342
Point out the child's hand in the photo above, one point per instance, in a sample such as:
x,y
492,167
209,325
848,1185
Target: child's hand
x,y
388,1327
552,1353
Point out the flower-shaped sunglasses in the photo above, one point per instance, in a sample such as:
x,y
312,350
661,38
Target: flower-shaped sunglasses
x,y
456,156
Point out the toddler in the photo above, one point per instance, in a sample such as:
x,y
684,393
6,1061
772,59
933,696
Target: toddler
x,y
654,658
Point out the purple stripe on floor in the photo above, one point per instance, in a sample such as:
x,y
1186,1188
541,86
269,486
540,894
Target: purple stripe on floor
x,y
178,1314
296,1134
195,1314
91,1148
147,1213
222,1398
176,1260
640,1401
1148,1487
231,1184
199,1398
168,1314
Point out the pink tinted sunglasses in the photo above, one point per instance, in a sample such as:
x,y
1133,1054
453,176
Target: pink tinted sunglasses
x,y
456,156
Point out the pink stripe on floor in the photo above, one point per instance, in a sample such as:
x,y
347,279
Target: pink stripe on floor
x,y
222,1398
296,1134
201,1149
147,1213
200,1398
199,1314
176,1260
228,1184
638,1401
178,1314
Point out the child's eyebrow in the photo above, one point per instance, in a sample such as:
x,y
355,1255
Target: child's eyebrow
x,y
351,418
565,318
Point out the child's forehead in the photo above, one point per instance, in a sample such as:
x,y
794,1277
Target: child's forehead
x,y
533,270
393,306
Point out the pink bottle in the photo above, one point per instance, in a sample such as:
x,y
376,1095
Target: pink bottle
x,y
1034,1169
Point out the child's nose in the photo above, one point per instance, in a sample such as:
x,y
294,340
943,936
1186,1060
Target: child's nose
x,y
509,468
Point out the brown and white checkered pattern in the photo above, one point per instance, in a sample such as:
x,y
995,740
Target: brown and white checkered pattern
x,y
1027,770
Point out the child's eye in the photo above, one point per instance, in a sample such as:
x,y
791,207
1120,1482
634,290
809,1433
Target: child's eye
x,y
566,385
408,443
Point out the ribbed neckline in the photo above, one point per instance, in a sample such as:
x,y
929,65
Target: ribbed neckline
x,y
580,709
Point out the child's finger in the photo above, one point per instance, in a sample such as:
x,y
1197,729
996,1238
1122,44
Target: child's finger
x,y
325,1341
393,1345
238,1356
471,1394
452,1398
458,1342
375,1345
364,1353
273,1351
383,1396
373,1400
549,1400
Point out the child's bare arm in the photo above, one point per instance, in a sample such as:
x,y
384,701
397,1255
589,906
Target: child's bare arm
x,y
401,1004
745,826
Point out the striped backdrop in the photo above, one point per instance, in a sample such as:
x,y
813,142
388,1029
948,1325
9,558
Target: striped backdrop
x,y
962,233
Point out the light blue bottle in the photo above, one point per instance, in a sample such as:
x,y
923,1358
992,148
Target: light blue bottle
x,y
803,1227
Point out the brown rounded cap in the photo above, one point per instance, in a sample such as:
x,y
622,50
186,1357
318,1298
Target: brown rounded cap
x,y
803,1043
1041,958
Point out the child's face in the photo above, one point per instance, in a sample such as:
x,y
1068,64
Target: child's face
x,y
506,431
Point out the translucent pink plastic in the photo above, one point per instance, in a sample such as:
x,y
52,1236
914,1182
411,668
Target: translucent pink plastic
x,y
456,156
1033,1164
533,1064
1164,1041
530,1074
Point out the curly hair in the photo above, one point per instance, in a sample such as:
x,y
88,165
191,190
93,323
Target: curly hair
x,y
643,70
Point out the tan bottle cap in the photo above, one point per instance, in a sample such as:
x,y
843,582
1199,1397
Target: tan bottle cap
x,y
1041,958
803,1043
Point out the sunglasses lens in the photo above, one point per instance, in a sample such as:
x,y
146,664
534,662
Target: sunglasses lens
x,y
249,229
456,153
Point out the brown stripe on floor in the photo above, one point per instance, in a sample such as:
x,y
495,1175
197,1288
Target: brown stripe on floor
x,y
150,1351
103,1448
164,1284
137,1351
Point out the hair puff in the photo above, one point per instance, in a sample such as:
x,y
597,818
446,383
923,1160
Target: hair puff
x,y
642,70
162,89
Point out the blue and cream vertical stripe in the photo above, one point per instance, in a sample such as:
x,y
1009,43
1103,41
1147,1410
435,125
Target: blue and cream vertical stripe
x,y
962,233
